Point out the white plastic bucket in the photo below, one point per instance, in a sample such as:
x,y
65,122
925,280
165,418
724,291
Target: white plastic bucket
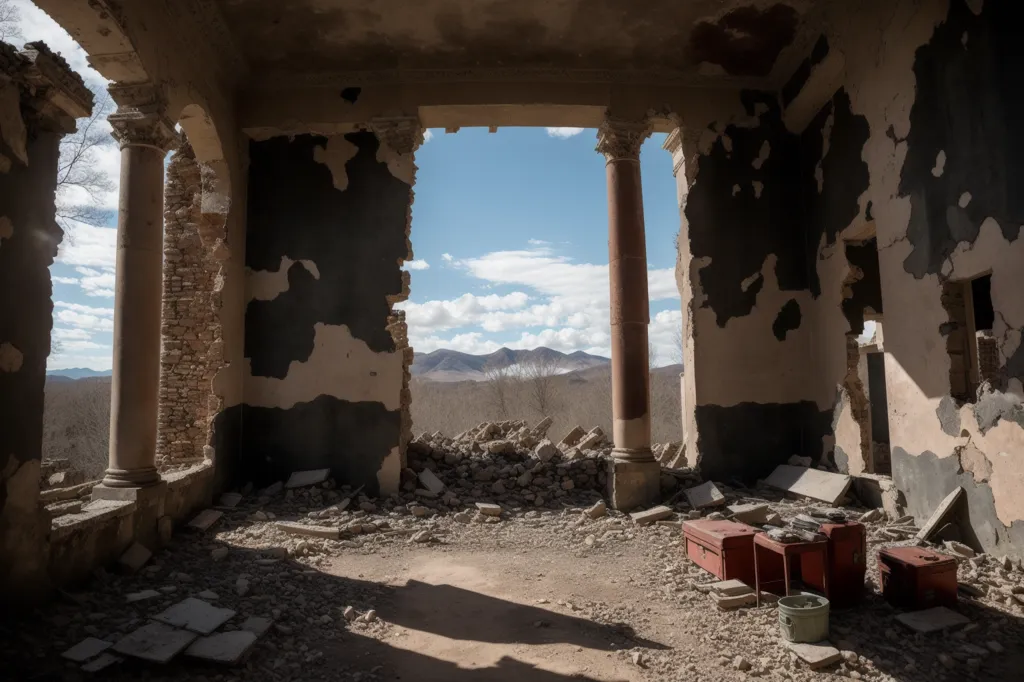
x,y
803,618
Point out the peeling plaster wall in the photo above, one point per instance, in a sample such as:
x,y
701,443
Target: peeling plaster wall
x,y
323,374
936,82
27,250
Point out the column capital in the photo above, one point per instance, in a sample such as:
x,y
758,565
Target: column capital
x,y
674,145
403,134
620,139
141,117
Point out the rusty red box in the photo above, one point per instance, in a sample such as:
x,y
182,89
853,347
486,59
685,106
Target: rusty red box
x,y
847,564
723,548
917,578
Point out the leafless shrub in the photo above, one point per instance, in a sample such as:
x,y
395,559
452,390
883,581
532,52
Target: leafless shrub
x,y
501,382
539,373
76,423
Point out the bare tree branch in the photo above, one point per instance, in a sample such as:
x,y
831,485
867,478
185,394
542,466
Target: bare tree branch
x,y
540,372
10,22
77,169
500,380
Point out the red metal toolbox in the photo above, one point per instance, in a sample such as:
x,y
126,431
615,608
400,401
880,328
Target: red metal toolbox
x,y
847,564
917,578
723,548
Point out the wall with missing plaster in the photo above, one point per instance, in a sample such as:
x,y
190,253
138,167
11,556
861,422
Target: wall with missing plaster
x,y
325,364
30,134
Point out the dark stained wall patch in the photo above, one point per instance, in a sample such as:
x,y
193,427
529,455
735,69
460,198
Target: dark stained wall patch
x,y
787,320
802,72
745,41
968,106
355,237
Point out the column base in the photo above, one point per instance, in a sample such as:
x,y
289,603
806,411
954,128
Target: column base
x,y
149,508
130,478
633,482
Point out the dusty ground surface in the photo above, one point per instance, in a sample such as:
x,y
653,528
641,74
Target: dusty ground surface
x,y
540,594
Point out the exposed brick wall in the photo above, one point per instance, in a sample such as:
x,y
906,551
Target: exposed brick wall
x,y
988,357
191,349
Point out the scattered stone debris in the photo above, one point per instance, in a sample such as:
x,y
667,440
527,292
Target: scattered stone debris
x,y
155,642
705,495
818,485
328,532
932,620
651,515
223,647
196,615
816,655
597,510
204,519
90,647
302,479
230,500
752,513
135,557
938,517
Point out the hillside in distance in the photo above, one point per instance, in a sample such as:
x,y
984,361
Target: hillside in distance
x,y
78,373
450,365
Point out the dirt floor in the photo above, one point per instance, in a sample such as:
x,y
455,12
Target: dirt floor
x,y
541,595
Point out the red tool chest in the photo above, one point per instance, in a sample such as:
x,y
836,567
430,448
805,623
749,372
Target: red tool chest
x,y
723,548
917,578
847,563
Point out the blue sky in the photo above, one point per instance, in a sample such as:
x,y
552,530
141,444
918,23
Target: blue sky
x,y
509,231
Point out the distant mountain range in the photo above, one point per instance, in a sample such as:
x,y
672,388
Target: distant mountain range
x,y
77,373
450,365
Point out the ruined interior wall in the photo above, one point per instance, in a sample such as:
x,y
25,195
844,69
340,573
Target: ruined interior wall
x,y
29,237
747,290
190,323
324,377
936,83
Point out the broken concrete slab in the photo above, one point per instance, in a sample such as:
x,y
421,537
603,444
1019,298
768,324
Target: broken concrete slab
x,y
489,509
959,549
541,429
705,495
572,438
230,500
938,517
591,439
302,479
204,519
750,513
596,511
154,642
224,647
932,620
731,588
431,482
196,615
738,601
135,557
256,625
818,485
101,663
90,647
141,596
326,532
815,655
651,515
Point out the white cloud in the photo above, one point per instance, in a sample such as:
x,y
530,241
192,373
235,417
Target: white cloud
x,y
537,242
97,282
464,311
85,320
428,135
62,334
66,280
418,264
91,247
79,308
563,133
447,257
562,305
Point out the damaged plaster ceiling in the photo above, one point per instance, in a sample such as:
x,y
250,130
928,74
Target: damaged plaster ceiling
x,y
752,40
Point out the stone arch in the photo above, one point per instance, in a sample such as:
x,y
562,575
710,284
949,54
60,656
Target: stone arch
x,y
197,201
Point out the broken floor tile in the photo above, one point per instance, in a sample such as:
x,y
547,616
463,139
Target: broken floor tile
x,y
431,482
86,649
750,513
731,588
932,620
141,596
230,500
135,557
818,485
205,519
651,515
154,642
705,495
196,615
223,647
816,655
727,603
256,625
489,509
104,661
301,479
327,532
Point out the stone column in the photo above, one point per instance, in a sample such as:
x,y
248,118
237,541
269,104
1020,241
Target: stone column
x,y
145,136
635,474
